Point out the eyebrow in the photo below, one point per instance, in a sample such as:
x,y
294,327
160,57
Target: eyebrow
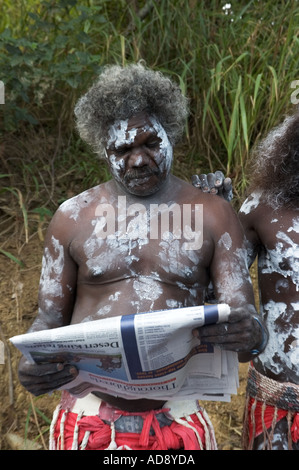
x,y
148,134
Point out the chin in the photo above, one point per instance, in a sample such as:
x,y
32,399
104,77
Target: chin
x,y
142,192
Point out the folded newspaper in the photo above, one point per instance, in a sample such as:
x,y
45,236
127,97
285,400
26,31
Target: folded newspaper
x,y
149,355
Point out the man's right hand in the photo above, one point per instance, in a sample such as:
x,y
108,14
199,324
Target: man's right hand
x,y
39,379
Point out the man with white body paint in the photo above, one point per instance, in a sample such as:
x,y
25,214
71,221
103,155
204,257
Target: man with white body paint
x,y
270,217
133,116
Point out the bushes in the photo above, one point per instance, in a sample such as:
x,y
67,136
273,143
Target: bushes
x,y
236,63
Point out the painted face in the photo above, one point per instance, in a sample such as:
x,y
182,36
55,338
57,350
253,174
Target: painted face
x,y
139,154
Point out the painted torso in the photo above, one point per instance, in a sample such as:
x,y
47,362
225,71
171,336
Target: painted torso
x,y
126,271
274,237
107,253
126,274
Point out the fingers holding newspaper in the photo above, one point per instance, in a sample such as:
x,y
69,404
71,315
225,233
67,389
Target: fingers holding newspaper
x,y
44,378
242,332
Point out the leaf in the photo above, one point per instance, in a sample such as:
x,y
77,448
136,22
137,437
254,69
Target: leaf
x,y
244,121
12,257
233,123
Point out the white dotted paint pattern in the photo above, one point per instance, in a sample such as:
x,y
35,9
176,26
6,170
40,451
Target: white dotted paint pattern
x,y
285,251
52,267
276,347
279,355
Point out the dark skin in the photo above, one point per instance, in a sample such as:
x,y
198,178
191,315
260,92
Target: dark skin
x,y
272,236
85,277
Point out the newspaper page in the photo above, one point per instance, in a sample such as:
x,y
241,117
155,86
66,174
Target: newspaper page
x,y
149,355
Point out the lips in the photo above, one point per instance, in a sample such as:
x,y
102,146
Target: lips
x,y
139,175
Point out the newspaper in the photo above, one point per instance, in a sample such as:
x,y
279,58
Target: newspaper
x,y
149,355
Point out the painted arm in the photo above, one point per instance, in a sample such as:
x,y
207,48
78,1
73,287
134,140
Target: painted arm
x,y
231,280
247,217
56,298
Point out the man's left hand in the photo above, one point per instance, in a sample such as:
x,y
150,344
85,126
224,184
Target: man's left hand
x,y
241,333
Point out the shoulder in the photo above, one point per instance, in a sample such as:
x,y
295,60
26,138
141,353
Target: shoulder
x,y
84,205
268,223
191,194
254,209
219,216
251,203
71,208
76,211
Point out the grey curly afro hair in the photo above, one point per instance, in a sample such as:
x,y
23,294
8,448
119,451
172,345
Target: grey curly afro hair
x,y
275,169
122,92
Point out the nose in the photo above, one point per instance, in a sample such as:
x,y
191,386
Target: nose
x,y
138,159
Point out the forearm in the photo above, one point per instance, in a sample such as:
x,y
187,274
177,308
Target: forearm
x,y
46,321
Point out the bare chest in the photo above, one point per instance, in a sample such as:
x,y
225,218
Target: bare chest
x,y
134,253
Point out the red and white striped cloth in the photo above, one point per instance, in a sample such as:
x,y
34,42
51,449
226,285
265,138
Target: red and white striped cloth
x,y
75,429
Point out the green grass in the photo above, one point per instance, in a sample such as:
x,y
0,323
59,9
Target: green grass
x,y
236,65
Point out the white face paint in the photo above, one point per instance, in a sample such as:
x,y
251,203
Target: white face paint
x,y
165,147
172,303
171,258
119,134
120,144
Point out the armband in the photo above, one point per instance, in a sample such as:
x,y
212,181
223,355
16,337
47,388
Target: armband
x,y
265,337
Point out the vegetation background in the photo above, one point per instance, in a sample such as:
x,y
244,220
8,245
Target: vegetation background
x,y
237,62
